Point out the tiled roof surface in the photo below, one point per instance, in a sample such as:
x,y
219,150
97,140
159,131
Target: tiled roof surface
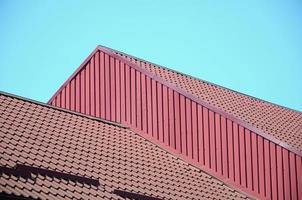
x,y
53,139
284,124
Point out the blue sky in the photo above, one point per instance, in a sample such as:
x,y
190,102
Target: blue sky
x,y
254,47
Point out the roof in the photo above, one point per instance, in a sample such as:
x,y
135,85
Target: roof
x,y
51,153
283,123
114,86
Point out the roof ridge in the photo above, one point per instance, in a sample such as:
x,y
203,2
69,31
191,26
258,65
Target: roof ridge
x,y
62,109
74,74
202,102
202,80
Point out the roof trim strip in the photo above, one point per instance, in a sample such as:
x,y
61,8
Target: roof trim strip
x,y
252,128
63,109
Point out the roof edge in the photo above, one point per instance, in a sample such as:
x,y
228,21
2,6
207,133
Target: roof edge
x,y
200,101
62,109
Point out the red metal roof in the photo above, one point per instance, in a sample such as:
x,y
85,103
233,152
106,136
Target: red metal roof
x,y
60,147
112,86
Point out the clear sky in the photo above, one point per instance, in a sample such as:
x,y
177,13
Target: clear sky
x,y
254,47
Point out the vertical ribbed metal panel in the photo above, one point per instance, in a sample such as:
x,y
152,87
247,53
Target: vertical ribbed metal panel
x,y
109,88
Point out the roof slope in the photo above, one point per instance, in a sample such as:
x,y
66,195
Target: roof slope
x,y
50,138
283,123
